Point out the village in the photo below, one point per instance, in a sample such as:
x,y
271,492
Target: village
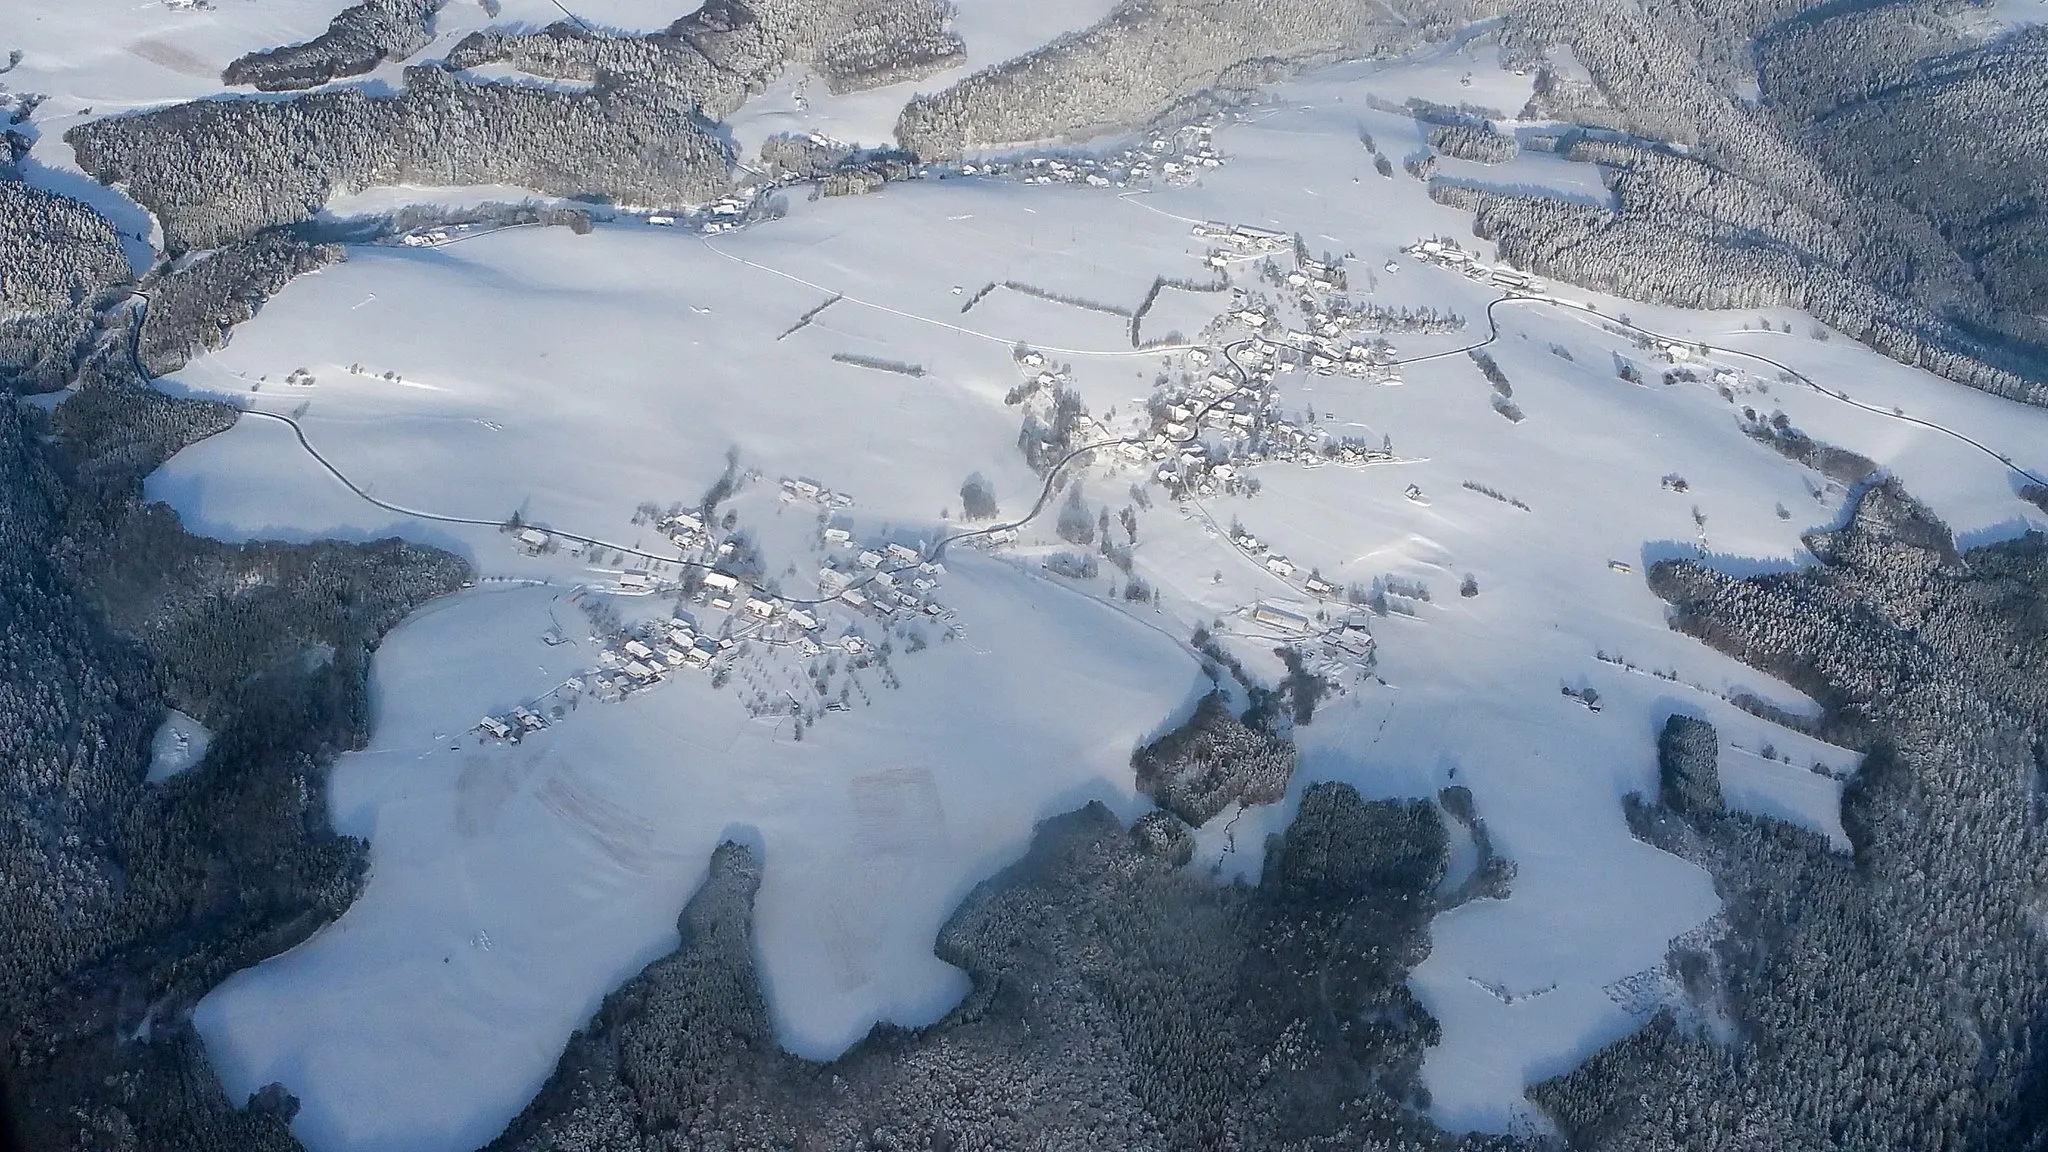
x,y
1215,415
728,619
1445,252
1171,159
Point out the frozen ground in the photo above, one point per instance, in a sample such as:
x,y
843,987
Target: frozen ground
x,y
179,743
572,378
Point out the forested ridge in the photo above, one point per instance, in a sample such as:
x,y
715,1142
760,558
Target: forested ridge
x,y
1888,178
124,901
1119,1002
1894,996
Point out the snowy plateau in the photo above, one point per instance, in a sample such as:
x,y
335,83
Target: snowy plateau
x,y
874,346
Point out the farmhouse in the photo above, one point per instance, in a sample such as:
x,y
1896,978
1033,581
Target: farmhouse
x,y
1281,615
533,541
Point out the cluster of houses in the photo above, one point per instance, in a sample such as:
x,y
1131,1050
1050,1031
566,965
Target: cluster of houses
x,y
1282,567
725,214
1337,645
1174,158
1233,243
1320,348
892,583
798,489
1446,253
1202,438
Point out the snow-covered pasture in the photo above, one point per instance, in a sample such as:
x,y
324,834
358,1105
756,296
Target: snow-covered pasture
x,y
573,377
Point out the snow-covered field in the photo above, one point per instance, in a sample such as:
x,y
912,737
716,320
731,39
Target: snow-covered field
x,y
179,743
573,378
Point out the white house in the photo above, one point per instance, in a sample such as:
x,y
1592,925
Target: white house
x,y
533,540
495,727
869,559
720,582
765,609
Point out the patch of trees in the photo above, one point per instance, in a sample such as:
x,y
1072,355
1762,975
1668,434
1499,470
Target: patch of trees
x,y
978,498
1894,996
1118,1002
192,309
726,50
38,351
1839,464
1469,142
356,41
1493,493
1076,522
1148,60
126,901
879,364
1213,761
1490,368
215,171
1160,284
1493,875
56,254
805,156
1388,318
